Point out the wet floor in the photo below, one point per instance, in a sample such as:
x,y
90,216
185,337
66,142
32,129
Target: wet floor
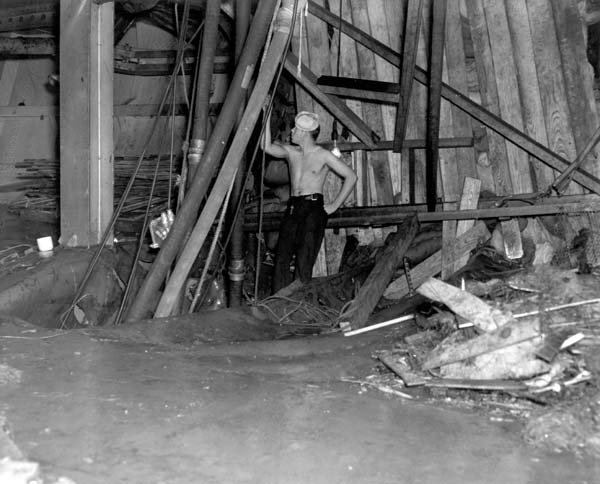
x,y
100,411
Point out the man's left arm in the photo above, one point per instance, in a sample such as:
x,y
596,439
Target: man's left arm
x,y
347,174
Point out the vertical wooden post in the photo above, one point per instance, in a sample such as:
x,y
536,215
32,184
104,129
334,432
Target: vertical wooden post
x,y
435,97
86,108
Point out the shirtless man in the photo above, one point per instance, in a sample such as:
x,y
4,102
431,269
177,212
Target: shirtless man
x,y
305,218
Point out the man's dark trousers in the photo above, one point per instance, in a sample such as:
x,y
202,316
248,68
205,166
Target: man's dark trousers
x,y
301,233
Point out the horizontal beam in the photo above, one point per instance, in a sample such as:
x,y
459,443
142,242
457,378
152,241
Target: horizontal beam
x,y
395,214
122,110
415,144
364,95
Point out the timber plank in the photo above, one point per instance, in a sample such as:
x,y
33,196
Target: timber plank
x,y
448,237
551,81
529,90
469,199
372,289
511,333
372,112
572,48
489,93
464,304
387,20
432,266
509,101
457,78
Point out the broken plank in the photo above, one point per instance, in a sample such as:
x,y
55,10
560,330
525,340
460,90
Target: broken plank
x,y
511,234
448,237
372,289
509,334
400,367
469,199
464,304
506,385
433,265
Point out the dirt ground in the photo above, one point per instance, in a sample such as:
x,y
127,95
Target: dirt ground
x,y
94,407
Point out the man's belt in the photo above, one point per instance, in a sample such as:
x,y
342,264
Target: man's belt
x,y
311,196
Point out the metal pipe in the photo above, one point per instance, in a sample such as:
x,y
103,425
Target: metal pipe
x,y
237,269
145,301
230,165
205,72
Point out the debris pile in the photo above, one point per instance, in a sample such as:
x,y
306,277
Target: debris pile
x,y
537,341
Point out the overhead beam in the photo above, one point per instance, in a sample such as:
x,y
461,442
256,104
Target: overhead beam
x,y
411,144
461,101
308,80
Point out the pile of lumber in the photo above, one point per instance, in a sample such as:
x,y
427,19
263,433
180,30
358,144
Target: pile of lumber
x,y
490,347
39,182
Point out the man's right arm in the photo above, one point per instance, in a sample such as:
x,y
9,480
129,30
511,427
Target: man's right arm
x,y
274,149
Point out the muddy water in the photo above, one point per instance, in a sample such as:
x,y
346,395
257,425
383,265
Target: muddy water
x,y
103,411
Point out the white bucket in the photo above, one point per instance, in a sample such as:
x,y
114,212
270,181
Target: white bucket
x,y
45,244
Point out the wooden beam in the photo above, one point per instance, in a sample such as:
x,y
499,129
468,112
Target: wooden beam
x,y
469,199
362,94
308,80
413,144
372,289
464,304
461,101
86,111
393,215
382,189
497,157
432,266
412,26
434,100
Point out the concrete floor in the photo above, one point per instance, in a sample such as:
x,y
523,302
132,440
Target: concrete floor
x,y
100,411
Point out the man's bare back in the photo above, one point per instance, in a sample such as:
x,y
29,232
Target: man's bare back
x,y
309,165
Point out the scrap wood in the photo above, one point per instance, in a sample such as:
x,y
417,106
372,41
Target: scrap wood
x,y
399,365
511,235
371,291
380,386
509,334
464,304
506,385
432,266
469,200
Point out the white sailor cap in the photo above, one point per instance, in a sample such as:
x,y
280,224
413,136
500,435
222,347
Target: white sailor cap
x,y
307,121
